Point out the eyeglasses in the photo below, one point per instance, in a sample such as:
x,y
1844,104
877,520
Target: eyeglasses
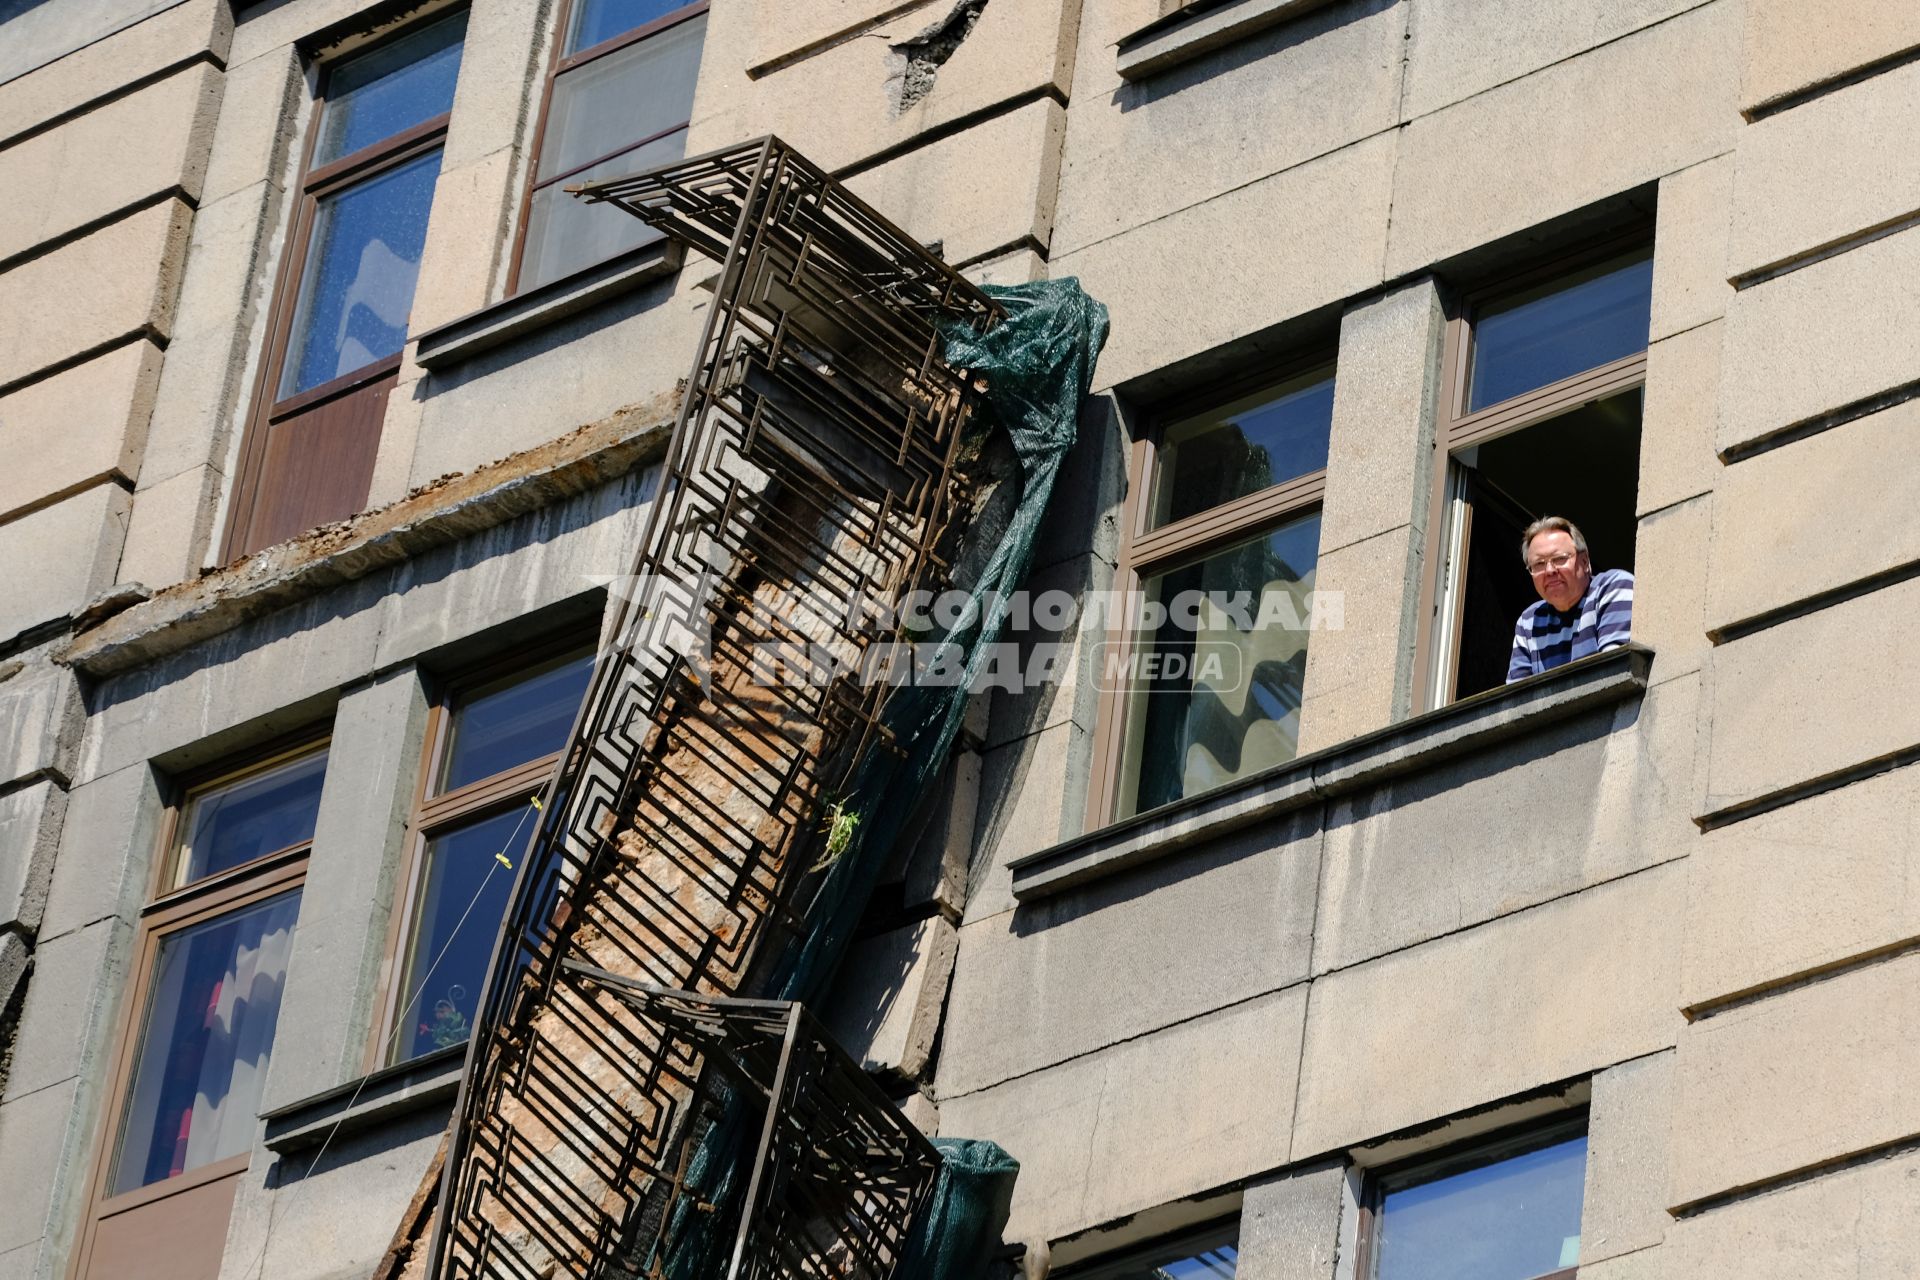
x,y
1553,564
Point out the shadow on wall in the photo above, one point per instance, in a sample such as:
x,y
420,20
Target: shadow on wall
x,y
1209,68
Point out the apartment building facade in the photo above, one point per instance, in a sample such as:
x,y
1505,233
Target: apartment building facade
x,y
330,422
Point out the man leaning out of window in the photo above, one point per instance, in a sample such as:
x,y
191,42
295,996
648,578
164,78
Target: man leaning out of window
x,y
1580,612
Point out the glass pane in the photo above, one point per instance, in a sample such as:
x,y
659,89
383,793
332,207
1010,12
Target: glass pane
x,y
596,21
390,89
1220,676
455,923
361,265
237,822
622,99
1244,448
1551,333
209,1033
509,723
1511,1220
565,235
1217,1263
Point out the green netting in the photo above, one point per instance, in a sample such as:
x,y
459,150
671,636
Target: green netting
x,y
957,1231
1038,366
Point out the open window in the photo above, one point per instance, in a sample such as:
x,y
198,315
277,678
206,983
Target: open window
x,y
1541,413
1201,683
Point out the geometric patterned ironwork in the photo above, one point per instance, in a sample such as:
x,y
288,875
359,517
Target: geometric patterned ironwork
x,y
812,467
837,1174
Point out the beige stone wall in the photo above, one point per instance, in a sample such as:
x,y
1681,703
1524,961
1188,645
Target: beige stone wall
x,y
1693,905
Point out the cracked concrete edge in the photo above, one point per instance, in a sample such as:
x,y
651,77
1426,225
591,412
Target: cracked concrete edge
x,y
434,515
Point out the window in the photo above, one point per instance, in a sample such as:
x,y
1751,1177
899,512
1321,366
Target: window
x,y
1540,416
1210,1254
493,745
210,963
347,287
1505,1211
1203,685
618,101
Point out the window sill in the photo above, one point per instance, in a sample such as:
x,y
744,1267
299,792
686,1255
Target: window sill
x,y
1201,28
383,1096
460,340
1412,746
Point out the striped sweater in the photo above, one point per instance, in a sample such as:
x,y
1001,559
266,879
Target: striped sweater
x,y
1546,638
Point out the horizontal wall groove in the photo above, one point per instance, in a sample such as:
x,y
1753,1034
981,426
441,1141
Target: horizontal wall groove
x,y
1815,603
1460,930
1575,56
1890,1150
846,35
56,243
79,358
1002,250
1852,411
1706,1010
1126,1039
1845,80
1784,796
957,125
119,91
57,496
1828,250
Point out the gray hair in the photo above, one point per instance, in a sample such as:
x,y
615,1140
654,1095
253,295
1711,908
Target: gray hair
x,y
1552,524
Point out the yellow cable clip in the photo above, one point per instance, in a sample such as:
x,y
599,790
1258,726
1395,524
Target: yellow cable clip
x,y
503,861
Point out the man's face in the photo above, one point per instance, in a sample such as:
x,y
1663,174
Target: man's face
x,y
1560,574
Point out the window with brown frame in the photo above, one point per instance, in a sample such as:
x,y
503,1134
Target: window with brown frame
x,y
346,288
1210,1253
1540,415
209,965
1201,682
618,100
1504,1209
492,744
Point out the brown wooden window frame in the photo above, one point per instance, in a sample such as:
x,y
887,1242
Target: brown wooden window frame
x,y
1146,551
368,385
1188,1242
1458,429
1474,1153
560,63
171,909
434,813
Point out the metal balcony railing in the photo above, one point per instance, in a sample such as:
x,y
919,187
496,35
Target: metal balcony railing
x,y
813,464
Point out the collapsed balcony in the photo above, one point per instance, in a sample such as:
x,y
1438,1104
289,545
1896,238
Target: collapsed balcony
x,y
645,1095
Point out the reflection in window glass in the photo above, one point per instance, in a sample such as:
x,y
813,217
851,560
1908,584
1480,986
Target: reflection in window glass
x,y
360,272
392,89
236,822
211,1010
508,724
440,998
1221,675
1513,1219
597,21
1544,335
565,235
1191,1260
1244,448
617,113
621,99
